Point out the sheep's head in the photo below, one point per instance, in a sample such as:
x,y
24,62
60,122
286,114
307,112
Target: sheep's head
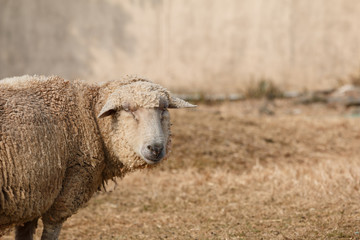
x,y
140,122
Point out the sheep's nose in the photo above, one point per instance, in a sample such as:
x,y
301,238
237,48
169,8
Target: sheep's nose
x,y
155,150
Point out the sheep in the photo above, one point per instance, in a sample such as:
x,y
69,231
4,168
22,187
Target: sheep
x,y
61,140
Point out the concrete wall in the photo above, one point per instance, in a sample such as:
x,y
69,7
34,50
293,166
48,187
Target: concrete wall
x,y
191,45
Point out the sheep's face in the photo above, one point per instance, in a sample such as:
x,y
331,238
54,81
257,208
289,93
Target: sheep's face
x,y
147,131
140,123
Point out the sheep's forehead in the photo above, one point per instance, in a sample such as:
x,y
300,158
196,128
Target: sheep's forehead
x,y
144,95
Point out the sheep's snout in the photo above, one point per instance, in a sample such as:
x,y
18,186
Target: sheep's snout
x,y
153,152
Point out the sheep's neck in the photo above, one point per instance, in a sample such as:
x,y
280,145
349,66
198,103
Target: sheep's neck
x,y
113,167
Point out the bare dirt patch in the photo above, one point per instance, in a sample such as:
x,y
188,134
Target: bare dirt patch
x,y
235,173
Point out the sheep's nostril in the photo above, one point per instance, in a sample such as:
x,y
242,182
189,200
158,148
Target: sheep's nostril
x,y
155,149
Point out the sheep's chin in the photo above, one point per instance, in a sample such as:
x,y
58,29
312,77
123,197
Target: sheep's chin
x,y
150,162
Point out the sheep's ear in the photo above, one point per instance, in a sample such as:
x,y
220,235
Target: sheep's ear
x,y
179,103
108,109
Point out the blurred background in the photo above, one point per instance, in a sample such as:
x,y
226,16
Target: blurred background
x,y
281,163
213,46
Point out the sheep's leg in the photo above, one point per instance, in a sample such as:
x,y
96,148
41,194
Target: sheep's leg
x,y
77,189
26,231
51,231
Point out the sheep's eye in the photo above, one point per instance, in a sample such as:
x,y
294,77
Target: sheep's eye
x,y
162,113
131,112
134,116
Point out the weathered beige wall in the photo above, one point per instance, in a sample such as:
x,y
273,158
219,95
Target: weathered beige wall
x,y
196,45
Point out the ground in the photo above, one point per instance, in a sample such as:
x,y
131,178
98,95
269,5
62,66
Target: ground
x,y
239,170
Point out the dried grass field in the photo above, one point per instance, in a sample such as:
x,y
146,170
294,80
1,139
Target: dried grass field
x,y
235,173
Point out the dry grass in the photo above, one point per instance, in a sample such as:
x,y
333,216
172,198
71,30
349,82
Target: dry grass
x,y
236,174
263,88
353,79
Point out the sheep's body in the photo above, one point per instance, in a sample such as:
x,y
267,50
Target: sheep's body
x,y
54,152
47,132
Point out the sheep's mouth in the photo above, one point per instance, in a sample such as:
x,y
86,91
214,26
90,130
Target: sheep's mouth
x,y
152,160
